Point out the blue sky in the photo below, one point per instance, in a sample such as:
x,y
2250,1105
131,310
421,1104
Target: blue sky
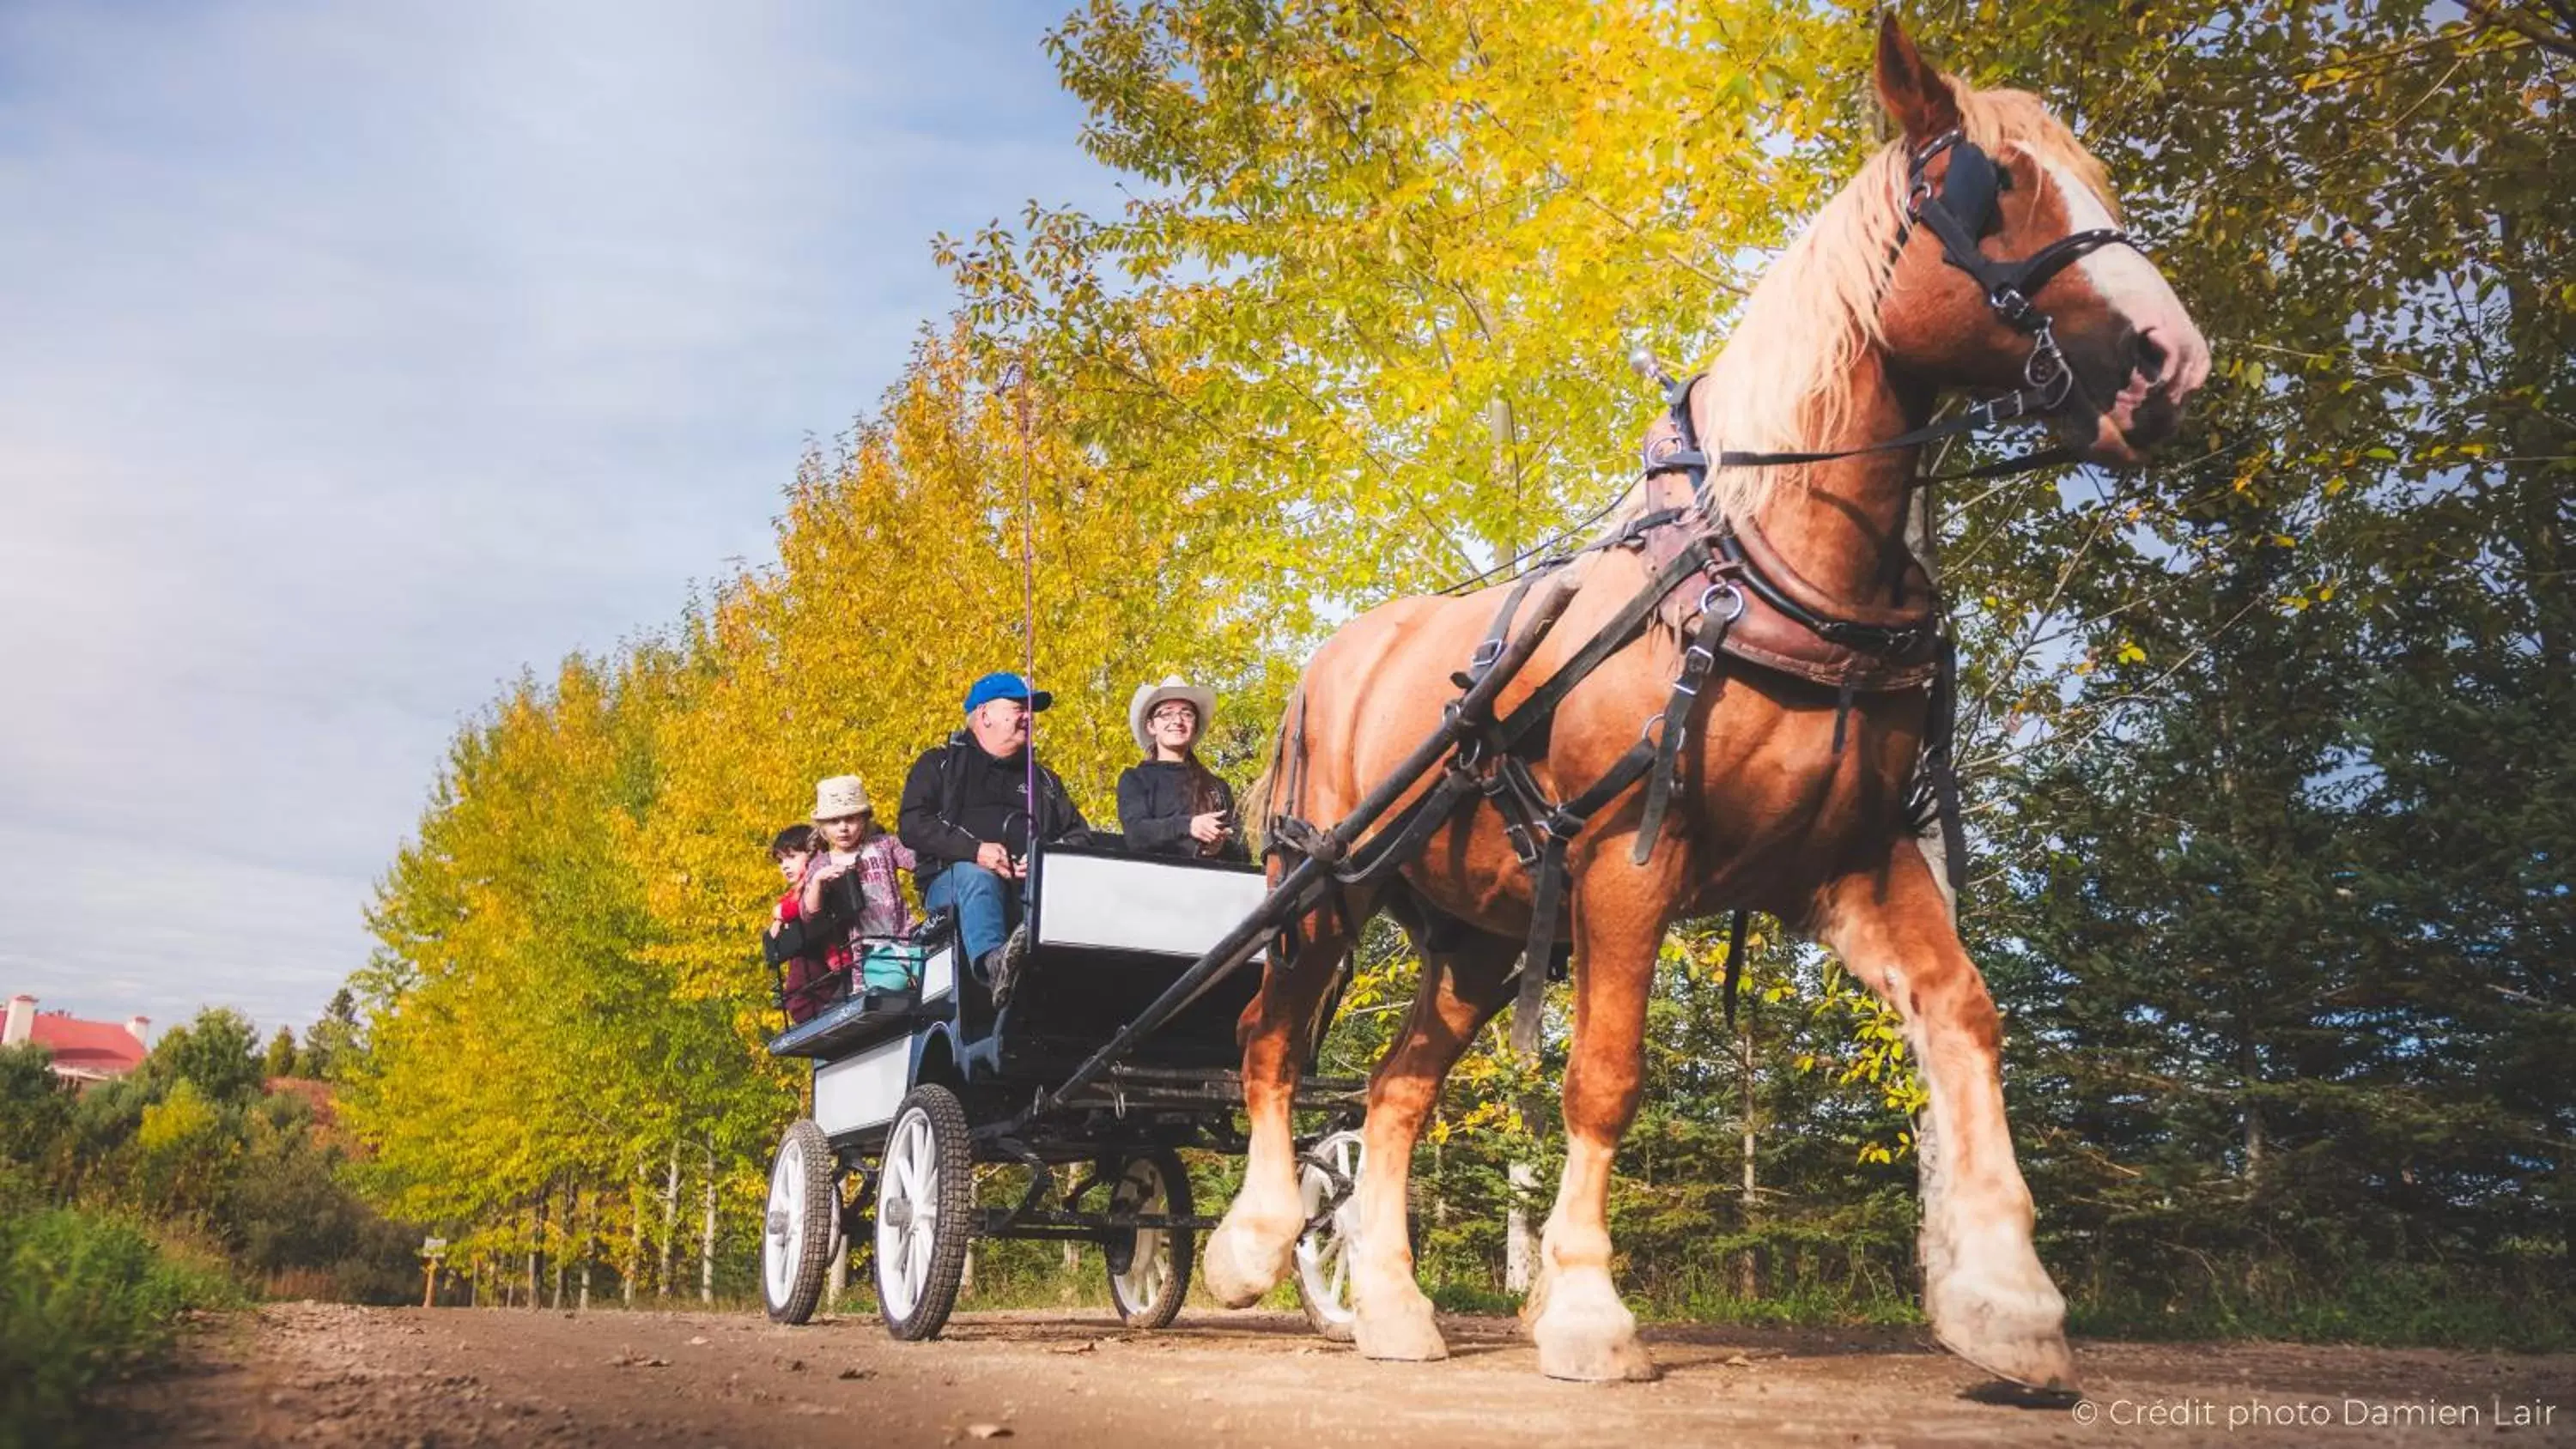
x,y
354,357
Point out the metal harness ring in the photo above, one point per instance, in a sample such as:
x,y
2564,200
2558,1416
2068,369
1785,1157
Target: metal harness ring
x,y
1723,588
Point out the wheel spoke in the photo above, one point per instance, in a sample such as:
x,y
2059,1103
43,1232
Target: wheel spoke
x,y
899,1163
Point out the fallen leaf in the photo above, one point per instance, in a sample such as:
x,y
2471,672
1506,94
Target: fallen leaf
x,y
1083,1347
989,1431
858,1373
1739,1361
697,1341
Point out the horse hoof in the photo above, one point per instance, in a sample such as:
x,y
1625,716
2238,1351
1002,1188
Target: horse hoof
x,y
2016,1335
1591,1358
1401,1335
2034,1361
1593,1344
1236,1271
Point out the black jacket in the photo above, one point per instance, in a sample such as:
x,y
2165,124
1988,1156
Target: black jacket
x,y
1156,799
935,791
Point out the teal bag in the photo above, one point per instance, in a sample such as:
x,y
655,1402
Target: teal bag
x,y
889,966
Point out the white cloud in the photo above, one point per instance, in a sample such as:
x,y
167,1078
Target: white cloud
x,y
358,357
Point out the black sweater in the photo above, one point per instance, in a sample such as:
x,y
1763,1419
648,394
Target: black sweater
x,y
1155,802
954,787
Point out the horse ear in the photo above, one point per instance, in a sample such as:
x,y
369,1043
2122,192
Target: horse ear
x,y
1916,95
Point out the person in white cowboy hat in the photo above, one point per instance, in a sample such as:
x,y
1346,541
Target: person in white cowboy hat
x,y
1168,802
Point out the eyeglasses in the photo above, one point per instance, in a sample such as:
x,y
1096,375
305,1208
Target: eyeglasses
x,y
1172,712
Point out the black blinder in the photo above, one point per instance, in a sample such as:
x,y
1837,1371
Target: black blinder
x,y
1969,190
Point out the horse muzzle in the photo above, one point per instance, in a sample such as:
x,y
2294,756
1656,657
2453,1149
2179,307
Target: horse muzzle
x,y
2130,390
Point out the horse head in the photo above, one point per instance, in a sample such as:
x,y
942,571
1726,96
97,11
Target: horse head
x,y
2009,269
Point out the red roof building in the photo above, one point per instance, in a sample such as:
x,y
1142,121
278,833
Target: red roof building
x,y
84,1051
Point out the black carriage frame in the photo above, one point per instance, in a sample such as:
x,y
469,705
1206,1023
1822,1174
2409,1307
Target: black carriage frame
x,y
1030,1075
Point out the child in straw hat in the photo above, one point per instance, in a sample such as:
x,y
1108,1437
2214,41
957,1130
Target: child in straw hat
x,y
851,881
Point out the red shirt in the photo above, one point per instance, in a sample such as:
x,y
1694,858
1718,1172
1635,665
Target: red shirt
x,y
809,980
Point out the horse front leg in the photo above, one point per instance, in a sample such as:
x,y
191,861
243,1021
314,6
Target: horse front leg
x,y
1573,1311
1989,1299
1461,990
1250,1249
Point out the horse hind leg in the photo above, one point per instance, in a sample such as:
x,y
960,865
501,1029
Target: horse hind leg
x,y
1989,1299
1250,1249
1464,982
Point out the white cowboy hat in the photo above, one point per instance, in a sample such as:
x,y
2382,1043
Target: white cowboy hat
x,y
840,795
1150,695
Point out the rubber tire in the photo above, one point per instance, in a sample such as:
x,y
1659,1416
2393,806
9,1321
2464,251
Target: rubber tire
x,y
1184,1248
814,1237
1329,1329
954,1231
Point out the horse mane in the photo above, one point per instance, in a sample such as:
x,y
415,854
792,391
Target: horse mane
x,y
1787,377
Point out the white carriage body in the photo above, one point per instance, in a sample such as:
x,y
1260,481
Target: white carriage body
x,y
1141,902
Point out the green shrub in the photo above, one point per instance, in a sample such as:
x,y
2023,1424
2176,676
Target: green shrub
x,y
83,1299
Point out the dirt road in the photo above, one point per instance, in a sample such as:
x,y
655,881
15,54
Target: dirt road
x,y
306,1374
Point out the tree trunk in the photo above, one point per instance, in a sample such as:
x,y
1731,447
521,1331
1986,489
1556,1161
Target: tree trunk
x,y
569,1220
536,1250
707,1236
1520,1244
635,1243
670,1221
589,1232
1748,1276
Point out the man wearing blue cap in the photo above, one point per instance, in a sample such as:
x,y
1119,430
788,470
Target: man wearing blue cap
x,y
966,815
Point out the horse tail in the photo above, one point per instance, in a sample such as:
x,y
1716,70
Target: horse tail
x,y
1283,773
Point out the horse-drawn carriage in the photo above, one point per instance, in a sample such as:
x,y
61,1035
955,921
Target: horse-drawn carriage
x,y
1738,696
912,1091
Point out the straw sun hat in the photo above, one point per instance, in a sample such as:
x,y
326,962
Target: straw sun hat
x,y
1149,696
840,795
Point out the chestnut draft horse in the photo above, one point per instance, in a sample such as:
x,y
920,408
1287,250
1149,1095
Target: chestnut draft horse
x,y
1977,252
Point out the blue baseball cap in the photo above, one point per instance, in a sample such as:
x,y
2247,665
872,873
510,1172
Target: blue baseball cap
x,y
1005,685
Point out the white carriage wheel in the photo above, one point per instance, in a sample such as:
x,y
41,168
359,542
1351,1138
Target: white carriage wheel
x,y
1324,1253
924,1214
1148,1295
801,1224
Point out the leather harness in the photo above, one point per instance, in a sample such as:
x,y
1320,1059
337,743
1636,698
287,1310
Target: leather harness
x,y
1722,589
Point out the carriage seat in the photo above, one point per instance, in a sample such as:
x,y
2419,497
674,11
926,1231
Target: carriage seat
x,y
896,966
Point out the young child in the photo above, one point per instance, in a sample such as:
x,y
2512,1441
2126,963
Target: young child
x,y
806,980
851,883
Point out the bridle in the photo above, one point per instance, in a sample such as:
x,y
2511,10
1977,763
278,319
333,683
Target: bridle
x,y
1956,212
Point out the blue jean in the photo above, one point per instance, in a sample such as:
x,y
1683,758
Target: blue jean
x,y
984,903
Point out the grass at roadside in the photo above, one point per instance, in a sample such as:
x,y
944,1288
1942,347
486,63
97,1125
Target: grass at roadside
x,y
85,1298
